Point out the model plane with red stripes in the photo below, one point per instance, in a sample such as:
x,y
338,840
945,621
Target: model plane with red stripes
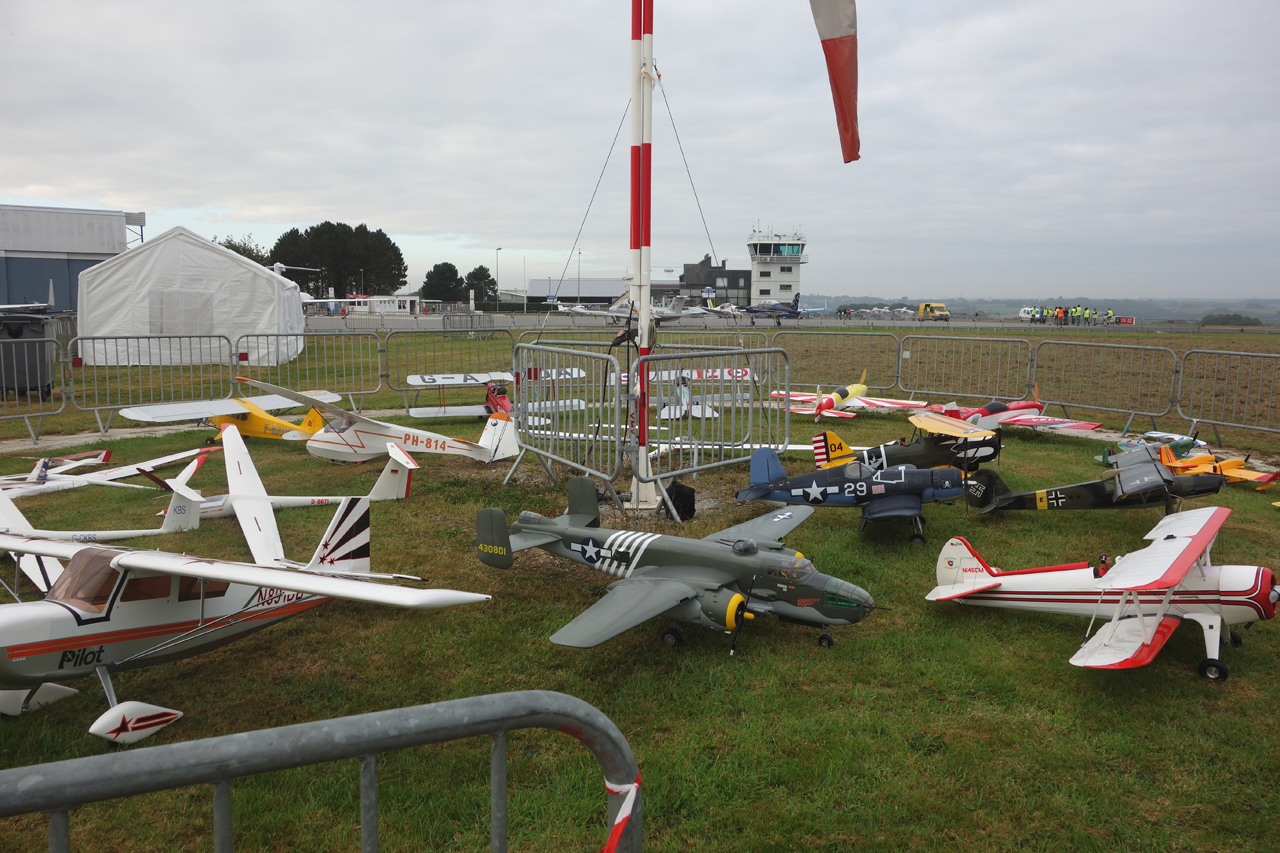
x,y
1144,596
838,403
115,609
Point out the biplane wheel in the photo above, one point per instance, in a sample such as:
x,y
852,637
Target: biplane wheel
x,y
1236,639
826,640
673,636
916,539
1213,669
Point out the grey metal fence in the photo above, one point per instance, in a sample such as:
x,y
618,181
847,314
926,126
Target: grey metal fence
x,y
569,408
987,368
110,373
410,353
1236,389
713,408
469,322
832,359
30,381
1132,380
344,363
59,786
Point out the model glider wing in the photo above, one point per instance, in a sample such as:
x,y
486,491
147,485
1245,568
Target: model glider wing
x,y
624,606
253,508
774,526
163,413
943,425
299,398
273,402
1179,541
1046,421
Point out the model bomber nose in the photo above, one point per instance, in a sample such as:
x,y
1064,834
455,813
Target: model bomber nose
x,y
845,595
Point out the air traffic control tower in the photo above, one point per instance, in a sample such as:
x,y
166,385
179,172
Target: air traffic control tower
x,y
775,265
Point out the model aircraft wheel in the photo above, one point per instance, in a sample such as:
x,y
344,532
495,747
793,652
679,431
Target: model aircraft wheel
x,y
1236,639
826,640
1213,669
916,539
209,442
673,636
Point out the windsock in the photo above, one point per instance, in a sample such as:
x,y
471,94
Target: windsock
x,y
837,22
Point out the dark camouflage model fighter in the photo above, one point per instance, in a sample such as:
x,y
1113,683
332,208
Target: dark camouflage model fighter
x,y
719,582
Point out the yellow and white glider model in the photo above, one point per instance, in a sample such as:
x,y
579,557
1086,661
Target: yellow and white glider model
x,y
352,437
251,415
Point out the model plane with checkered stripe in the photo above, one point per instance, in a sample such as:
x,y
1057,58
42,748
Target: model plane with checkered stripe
x,y
719,582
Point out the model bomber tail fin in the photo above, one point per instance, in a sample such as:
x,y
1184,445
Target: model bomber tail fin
x,y
584,508
493,539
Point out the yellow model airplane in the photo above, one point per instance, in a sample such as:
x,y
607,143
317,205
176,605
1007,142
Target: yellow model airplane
x,y
251,415
931,450
1206,463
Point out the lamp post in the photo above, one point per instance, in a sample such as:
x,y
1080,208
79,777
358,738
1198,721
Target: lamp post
x,y
579,276
497,281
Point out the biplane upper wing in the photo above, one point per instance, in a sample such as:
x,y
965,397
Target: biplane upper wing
x,y
943,425
1179,541
441,380
774,525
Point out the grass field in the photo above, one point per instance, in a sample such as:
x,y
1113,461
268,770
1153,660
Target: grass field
x,y
927,727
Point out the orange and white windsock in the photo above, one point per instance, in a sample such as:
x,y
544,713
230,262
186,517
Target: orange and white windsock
x,y
837,22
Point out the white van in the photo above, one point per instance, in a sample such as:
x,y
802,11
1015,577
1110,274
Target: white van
x,y
1028,314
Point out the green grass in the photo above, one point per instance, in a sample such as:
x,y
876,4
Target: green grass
x,y
929,726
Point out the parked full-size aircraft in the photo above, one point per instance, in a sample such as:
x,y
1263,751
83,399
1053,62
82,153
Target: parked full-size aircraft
x,y
115,609
779,311
896,492
1145,595
718,582
352,437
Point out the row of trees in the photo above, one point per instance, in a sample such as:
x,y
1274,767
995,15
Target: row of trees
x,y
348,260
444,283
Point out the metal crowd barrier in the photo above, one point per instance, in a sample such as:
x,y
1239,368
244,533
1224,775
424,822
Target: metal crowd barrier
x,y
348,363
30,381
59,786
109,373
713,408
988,368
832,359
412,353
467,322
1233,389
1133,380
569,409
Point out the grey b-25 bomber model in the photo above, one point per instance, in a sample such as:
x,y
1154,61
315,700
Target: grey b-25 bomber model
x,y
1137,479
718,582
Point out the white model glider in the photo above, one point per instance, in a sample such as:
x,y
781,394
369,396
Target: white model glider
x,y
46,479
352,437
1145,595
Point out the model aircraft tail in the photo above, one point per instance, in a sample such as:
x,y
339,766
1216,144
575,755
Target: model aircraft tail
x,y
766,468
498,438
984,489
11,518
396,477
584,507
961,572
493,539
345,546
830,451
311,424
184,506
39,471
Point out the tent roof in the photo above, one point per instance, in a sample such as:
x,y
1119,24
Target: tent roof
x,y
190,237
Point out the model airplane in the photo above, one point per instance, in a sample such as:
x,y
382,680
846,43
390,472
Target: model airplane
x,y
928,451
44,478
251,415
897,492
838,403
1138,479
117,609
1206,463
1180,448
1145,594
495,389
718,582
1023,413
352,437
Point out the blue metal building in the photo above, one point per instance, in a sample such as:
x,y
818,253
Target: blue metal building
x,y
43,244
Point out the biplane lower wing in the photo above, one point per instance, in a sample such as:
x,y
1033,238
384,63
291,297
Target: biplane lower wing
x,y
1125,644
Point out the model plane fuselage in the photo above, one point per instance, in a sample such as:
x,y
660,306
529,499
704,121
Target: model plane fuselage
x,y
857,484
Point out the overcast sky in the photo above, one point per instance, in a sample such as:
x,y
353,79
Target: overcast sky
x,y
1009,148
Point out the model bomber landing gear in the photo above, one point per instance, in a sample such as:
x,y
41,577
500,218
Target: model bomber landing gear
x,y
826,640
673,636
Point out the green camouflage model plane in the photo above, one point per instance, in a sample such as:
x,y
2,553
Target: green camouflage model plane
x,y
718,582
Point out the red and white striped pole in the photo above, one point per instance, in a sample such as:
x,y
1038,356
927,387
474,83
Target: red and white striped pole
x,y
644,495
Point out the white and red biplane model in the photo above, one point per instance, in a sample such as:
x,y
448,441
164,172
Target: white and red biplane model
x,y
115,609
352,437
1145,595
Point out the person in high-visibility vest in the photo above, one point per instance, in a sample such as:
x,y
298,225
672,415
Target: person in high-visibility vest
x,y
1111,316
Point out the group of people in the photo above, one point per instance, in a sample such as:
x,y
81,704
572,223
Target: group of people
x,y
1076,315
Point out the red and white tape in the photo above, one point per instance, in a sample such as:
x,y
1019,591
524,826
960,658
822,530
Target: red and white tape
x,y
624,813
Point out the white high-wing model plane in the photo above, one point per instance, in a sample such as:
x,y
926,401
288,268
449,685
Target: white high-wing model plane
x,y
351,437
44,478
1145,594
115,609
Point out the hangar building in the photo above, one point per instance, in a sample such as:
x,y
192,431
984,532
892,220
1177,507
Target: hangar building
x,y
43,244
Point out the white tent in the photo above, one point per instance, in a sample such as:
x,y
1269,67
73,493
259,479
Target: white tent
x,y
180,284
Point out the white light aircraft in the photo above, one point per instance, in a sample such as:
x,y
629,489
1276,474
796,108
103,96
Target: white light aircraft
x,y
115,609
1145,595
352,437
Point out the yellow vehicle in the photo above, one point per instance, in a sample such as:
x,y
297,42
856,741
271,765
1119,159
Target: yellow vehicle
x,y
933,311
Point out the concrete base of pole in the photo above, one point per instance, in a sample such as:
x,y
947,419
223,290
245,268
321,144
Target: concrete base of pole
x,y
644,496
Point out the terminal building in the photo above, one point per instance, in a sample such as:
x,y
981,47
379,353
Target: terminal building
x,y
43,244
